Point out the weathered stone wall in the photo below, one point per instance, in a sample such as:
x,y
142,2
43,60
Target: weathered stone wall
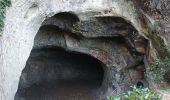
x,y
24,18
110,47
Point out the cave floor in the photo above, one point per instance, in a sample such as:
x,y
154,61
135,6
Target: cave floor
x,y
63,90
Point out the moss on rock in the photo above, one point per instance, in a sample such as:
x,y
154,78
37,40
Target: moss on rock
x,y
3,5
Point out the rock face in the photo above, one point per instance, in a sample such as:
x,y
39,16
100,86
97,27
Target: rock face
x,y
113,32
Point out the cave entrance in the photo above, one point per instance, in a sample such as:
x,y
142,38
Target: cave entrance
x,y
102,56
57,74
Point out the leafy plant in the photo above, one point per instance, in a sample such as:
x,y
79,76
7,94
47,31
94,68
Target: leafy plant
x,y
3,5
137,94
158,69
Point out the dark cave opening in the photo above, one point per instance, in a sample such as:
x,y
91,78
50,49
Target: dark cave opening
x,y
55,73
58,74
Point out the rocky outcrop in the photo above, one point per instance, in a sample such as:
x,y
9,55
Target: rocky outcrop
x,y
109,40
115,32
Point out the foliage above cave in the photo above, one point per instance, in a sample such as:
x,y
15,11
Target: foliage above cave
x,y
3,5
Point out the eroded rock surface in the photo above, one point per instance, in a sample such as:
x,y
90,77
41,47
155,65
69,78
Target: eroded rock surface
x,y
112,41
115,32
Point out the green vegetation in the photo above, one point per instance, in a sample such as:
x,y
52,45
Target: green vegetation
x,y
3,5
158,69
159,44
137,94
